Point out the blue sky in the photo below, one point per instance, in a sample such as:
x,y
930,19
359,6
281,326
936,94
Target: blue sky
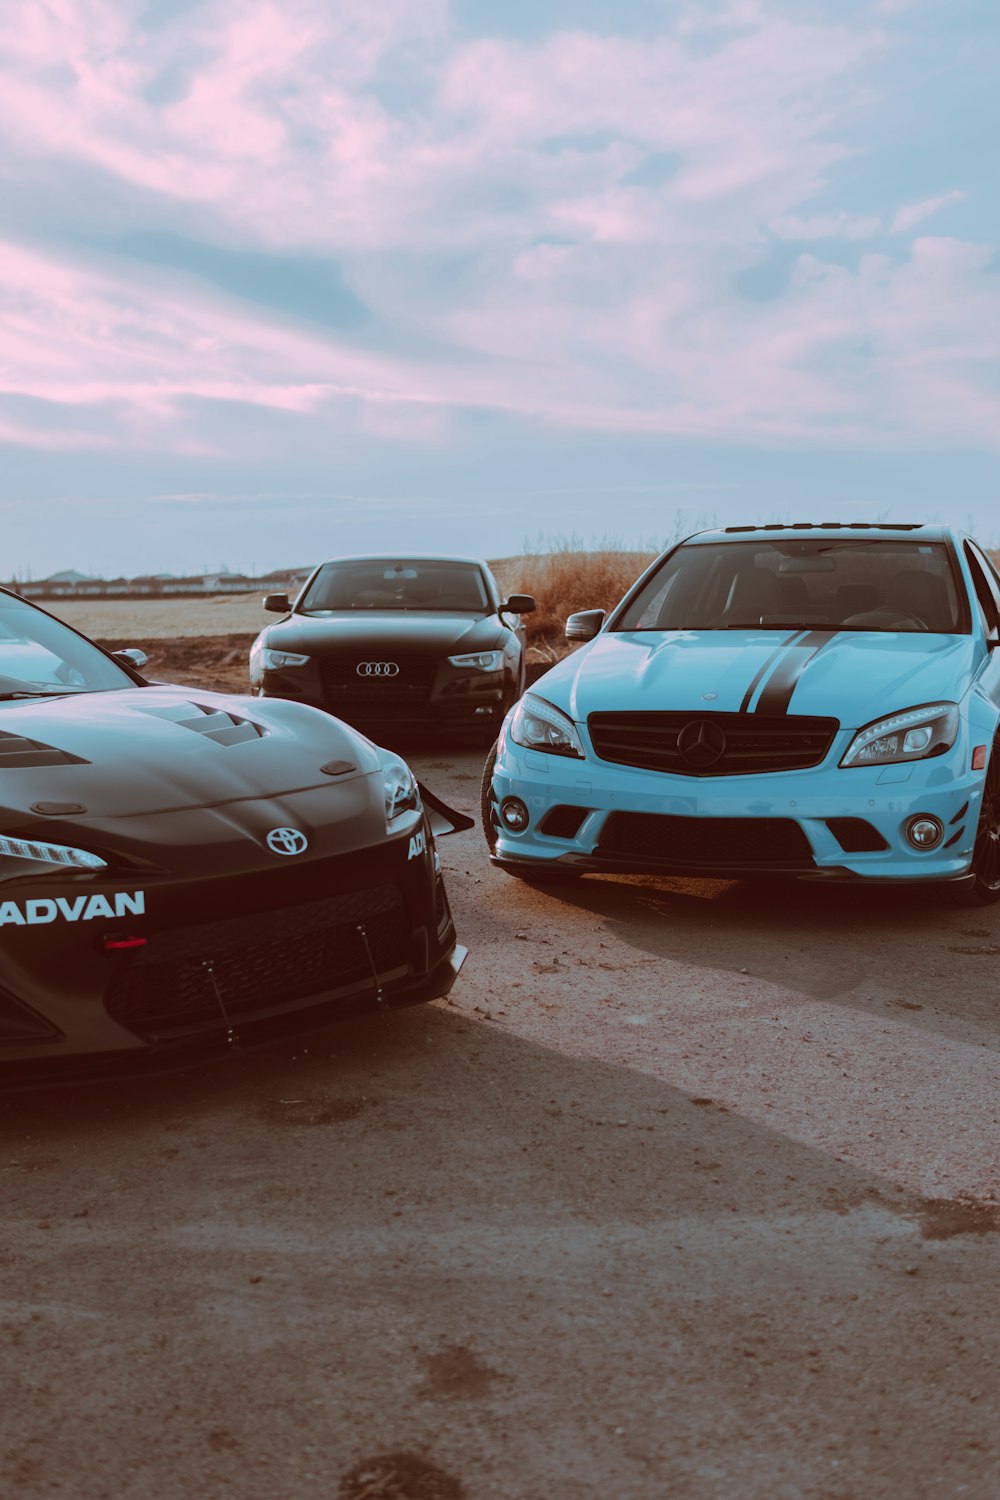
x,y
280,281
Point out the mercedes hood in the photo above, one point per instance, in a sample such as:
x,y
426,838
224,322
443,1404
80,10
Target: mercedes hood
x,y
853,676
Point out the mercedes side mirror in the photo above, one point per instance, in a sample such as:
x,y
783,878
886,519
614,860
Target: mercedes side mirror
x,y
131,656
277,604
519,604
585,625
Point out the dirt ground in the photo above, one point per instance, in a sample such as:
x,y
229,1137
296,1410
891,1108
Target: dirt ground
x,y
219,614
690,1191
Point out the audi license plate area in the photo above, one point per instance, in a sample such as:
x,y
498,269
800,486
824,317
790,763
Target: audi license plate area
x,y
378,684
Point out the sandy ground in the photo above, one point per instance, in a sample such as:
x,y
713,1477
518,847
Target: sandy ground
x,y
222,614
690,1191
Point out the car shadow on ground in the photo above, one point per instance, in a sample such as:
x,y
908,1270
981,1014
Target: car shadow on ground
x,y
550,1276
912,949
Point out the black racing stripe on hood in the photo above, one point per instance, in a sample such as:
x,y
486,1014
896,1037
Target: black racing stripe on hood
x,y
762,671
778,692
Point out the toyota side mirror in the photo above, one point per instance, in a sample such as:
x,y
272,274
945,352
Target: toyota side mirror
x,y
131,656
518,604
584,625
277,604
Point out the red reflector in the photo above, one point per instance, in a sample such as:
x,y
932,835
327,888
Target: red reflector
x,y
113,944
979,758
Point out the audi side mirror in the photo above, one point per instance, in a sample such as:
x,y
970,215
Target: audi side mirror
x,y
277,604
518,604
584,625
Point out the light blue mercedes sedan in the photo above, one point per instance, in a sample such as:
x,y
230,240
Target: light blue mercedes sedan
x,y
794,700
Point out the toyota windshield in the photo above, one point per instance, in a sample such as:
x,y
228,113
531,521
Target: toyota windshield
x,y
40,657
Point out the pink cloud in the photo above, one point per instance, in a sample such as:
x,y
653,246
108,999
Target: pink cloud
x,y
912,214
514,150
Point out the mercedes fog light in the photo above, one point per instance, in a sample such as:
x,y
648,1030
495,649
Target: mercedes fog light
x,y
514,814
924,831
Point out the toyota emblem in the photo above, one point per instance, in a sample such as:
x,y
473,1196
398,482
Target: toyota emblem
x,y
287,841
377,669
701,744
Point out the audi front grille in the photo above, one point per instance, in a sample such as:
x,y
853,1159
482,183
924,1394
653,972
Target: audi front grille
x,y
361,683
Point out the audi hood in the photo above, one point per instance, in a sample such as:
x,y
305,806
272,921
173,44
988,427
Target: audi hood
x,y
855,676
379,634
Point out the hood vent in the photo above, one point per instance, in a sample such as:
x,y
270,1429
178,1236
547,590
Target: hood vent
x,y
17,753
212,723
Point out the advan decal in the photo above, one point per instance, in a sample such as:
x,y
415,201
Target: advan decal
x,y
45,909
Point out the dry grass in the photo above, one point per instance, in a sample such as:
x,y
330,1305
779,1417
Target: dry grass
x,y
564,579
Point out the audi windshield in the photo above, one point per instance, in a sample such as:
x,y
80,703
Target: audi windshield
x,y
841,585
414,585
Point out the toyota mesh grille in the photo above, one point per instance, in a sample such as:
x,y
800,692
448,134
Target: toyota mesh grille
x,y
260,961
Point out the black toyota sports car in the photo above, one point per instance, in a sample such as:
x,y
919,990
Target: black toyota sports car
x,y
396,644
184,871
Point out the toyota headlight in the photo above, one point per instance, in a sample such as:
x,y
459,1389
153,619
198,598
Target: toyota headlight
x,y
914,734
482,661
538,725
51,854
401,791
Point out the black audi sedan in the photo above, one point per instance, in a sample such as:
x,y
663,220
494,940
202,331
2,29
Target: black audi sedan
x,y
407,642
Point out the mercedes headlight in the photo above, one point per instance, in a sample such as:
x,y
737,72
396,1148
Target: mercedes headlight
x,y
51,854
914,734
401,791
483,661
537,725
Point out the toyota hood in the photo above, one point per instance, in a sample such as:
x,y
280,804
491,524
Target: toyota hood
x,y
160,749
853,676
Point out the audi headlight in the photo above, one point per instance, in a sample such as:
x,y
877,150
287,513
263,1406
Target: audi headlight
x,y
538,725
51,854
483,661
401,791
272,659
914,734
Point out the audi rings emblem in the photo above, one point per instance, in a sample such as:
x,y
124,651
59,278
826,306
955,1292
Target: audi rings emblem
x,y
287,841
701,744
377,669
